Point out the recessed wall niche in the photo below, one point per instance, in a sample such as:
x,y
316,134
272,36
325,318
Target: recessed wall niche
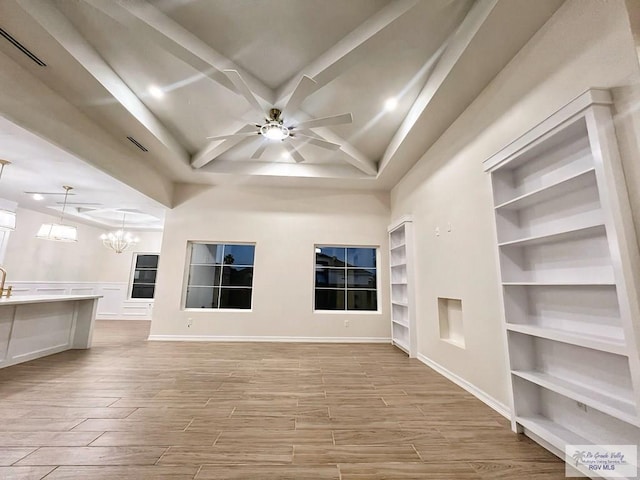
x,y
450,316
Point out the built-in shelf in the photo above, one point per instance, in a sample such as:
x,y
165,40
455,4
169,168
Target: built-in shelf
x,y
403,345
590,341
567,264
402,309
619,408
574,234
550,431
566,185
402,323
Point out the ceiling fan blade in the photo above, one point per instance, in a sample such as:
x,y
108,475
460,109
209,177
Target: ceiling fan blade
x,y
260,150
294,153
306,86
325,121
234,135
243,89
318,141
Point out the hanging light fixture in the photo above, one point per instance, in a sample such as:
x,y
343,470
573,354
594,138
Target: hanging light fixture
x,y
119,240
7,217
59,232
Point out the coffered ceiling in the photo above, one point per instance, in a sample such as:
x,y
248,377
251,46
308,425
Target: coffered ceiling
x,y
156,71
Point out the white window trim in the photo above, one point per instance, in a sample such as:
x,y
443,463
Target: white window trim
x,y
185,277
378,310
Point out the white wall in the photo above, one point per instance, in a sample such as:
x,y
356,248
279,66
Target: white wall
x,y
587,43
31,259
285,224
41,266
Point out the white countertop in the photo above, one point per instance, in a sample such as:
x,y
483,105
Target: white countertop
x,y
26,299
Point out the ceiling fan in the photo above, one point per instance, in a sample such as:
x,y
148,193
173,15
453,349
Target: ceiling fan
x,y
276,126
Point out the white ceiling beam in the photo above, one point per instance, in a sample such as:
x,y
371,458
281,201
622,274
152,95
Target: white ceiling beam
x,y
57,25
216,148
332,63
328,172
446,61
29,103
175,39
354,156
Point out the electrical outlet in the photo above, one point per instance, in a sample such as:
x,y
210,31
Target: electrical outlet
x,y
449,227
581,406
346,323
189,322
437,231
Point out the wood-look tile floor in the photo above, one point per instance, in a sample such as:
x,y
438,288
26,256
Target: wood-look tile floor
x,y
131,409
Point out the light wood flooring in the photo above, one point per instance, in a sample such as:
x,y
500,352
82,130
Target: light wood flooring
x,y
131,409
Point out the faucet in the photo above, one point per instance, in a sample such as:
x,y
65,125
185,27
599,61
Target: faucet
x,y
4,291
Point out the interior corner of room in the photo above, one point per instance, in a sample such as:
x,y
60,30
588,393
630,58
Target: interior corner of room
x,y
457,179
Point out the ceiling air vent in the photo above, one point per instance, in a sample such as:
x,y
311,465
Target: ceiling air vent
x,y
138,144
22,48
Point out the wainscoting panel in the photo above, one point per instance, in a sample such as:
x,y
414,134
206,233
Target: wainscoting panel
x,y
114,304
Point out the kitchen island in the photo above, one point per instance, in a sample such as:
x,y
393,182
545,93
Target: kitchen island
x,y
33,326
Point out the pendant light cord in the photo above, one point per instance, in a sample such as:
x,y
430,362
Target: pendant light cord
x,y
64,204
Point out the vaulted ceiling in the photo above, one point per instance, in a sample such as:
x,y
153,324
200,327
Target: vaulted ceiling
x,y
135,87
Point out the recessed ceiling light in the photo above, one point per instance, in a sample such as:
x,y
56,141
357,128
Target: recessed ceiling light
x,y
37,196
285,155
390,104
156,91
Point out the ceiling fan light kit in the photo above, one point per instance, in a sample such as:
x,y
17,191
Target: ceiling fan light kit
x,y
274,129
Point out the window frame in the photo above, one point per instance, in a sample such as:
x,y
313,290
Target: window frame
x,y
378,309
185,282
132,276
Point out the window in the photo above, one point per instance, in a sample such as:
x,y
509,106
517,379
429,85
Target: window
x,y
220,276
346,278
145,268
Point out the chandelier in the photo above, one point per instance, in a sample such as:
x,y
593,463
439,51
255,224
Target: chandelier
x,y
59,232
119,240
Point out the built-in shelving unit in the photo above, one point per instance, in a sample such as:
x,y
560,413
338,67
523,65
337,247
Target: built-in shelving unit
x,y
403,331
567,253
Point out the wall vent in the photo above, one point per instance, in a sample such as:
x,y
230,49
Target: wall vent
x,y
138,144
22,48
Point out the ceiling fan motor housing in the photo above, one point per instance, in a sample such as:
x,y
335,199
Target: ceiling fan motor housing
x,y
274,115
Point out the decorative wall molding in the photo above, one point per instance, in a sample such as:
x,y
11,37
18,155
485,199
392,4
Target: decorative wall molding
x,y
114,304
481,395
222,338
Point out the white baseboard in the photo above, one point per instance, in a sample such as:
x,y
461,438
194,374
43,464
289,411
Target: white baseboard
x,y
120,319
499,407
222,338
